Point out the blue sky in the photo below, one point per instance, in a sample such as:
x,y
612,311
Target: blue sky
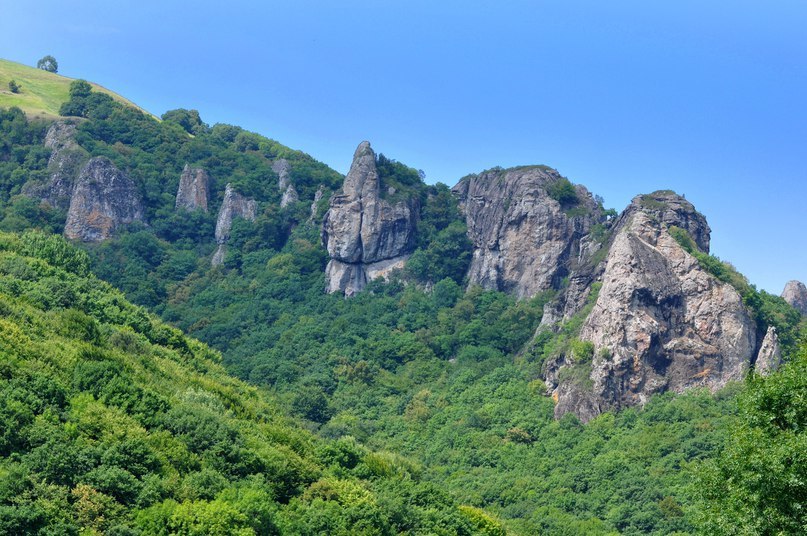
x,y
705,98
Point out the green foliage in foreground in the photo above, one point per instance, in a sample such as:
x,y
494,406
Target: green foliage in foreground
x,y
112,422
758,484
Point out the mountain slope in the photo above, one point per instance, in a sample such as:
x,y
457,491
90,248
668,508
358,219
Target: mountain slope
x,y
423,361
41,93
112,422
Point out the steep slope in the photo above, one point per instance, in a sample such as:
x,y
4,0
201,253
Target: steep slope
x,y
113,422
660,322
41,93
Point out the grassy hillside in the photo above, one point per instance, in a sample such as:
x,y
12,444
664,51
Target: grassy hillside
x,y
41,93
112,422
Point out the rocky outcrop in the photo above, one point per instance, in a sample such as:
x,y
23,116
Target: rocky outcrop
x,y
659,322
365,235
525,241
65,162
795,294
193,191
103,199
315,204
234,206
288,193
769,357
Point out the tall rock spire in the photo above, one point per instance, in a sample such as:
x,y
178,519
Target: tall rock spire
x,y
366,236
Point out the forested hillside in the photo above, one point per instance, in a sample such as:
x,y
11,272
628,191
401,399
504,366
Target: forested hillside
x,y
420,405
112,422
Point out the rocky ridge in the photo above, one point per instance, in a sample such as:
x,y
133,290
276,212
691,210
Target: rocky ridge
x,y
64,164
525,241
366,236
103,199
659,323
233,206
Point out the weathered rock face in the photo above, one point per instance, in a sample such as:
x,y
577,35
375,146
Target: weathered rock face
x,y
234,206
659,323
769,357
283,170
365,235
315,204
66,160
795,294
193,191
104,198
524,240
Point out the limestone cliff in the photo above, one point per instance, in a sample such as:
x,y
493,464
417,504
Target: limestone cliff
x,y
193,191
288,193
366,236
65,162
795,294
233,206
103,199
659,322
525,241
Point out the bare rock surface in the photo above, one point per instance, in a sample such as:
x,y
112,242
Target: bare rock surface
x,y
193,191
315,203
65,162
659,322
769,357
366,236
524,241
289,195
103,199
795,294
233,206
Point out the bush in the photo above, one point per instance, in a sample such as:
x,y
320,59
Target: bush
x,y
563,192
13,86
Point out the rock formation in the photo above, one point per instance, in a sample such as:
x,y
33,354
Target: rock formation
x,y
770,354
103,199
795,294
315,204
283,170
64,164
366,236
524,240
234,206
193,191
659,322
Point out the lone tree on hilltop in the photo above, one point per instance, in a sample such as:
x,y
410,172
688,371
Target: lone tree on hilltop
x,y
48,63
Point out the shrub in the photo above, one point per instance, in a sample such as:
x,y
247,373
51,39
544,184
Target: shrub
x,y
562,191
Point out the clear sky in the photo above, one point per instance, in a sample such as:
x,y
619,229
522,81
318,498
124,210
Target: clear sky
x,y
708,98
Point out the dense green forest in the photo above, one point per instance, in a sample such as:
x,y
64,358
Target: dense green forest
x,y
112,422
416,406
